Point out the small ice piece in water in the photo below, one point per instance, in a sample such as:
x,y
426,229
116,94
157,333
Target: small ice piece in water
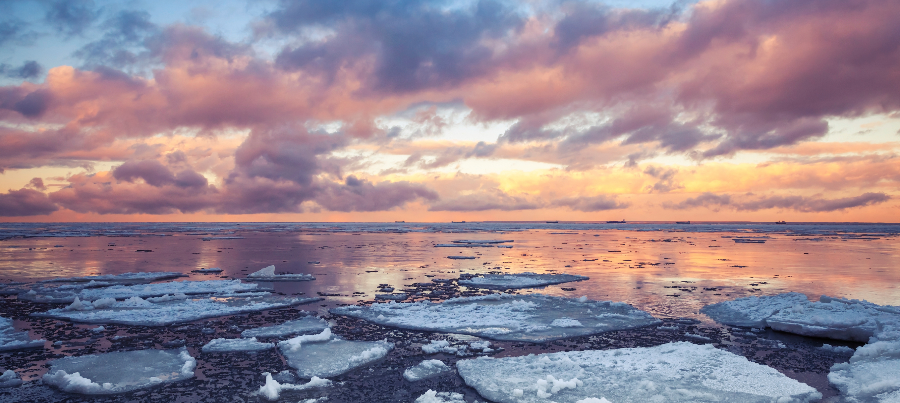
x,y
566,322
12,339
425,369
873,372
207,271
432,396
120,372
751,311
139,312
308,324
837,349
268,274
481,346
460,257
233,345
272,389
392,297
673,372
518,280
9,378
323,356
98,329
506,317
439,346
147,277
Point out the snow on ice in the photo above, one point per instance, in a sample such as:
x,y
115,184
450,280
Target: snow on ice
x,y
425,369
68,295
873,373
272,389
12,339
9,378
432,396
308,324
506,317
673,372
234,345
324,356
168,309
519,280
120,372
268,274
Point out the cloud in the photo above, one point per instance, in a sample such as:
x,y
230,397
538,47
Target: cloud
x,y
591,203
709,200
361,195
803,204
25,202
101,193
71,17
29,69
490,199
123,43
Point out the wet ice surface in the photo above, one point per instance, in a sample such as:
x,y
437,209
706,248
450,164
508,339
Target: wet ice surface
x,y
272,389
873,373
425,369
309,324
68,295
432,396
232,345
133,277
268,274
330,356
675,372
119,372
12,339
519,280
507,316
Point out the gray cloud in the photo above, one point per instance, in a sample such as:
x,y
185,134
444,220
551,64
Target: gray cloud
x,y
25,202
591,203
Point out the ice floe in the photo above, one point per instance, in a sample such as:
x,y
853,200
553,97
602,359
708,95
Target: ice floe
x,y
210,270
425,369
50,295
9,378
673,372
461,257
235,345
272,389
432,396
506,316
873,372
137,311
324,356
268,274
751,311
308,324
439,346
518,280
12,339
145,277
119,372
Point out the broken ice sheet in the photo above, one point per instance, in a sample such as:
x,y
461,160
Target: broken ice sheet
x,y
432,396
518,280
120,372
137,311
325,356
272,389
308,324
873,373
235,345
140,290
268,274
9,378
751,311
533,318
425,369
146,277
674,372
12,339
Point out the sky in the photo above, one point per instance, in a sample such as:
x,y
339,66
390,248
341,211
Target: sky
x,y
386,110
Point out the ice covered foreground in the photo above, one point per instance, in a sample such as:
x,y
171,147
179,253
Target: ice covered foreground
x,y
120,372
507,317
833,318
324,356
268,274
519,280
12,339
873,373
167,309
68,295
308,324
146,277
674,372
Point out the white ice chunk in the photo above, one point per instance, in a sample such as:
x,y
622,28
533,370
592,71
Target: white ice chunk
x,y
272,389
232,345
835,318
873,372
119,372
308,324
9,378
432,396
505,317
268,274
12,339
139,290
425,369
751,311
837,349
519,280
136,311
674,372
439,346
147,277
323,356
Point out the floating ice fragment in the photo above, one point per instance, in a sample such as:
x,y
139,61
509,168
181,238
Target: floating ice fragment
x,y
518,280
12,339
837,349
873,372
147,277
674,372
272,389
439,346
207,271
308,324
323,356
139,290
432,396
233,345
9,378
136,311
425,369
460,257
119,372
268,274
566,322
505,317
751,311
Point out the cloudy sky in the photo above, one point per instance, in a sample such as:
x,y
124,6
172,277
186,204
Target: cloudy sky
x,y
386,110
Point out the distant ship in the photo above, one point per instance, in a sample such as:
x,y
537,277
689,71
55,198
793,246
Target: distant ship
x,y
682,222
616,222
748,240
458,222
400,222
552,222
780,222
